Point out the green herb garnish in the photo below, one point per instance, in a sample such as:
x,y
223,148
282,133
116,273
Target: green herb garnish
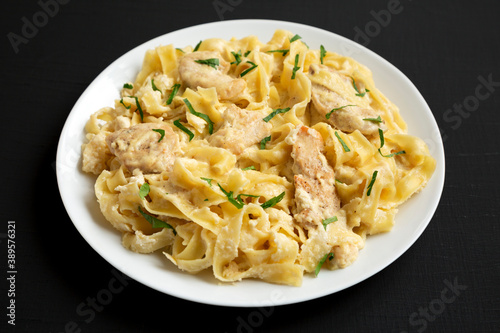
x,y
329,220
273,201
346,149
144,190
375,120
156,223
247,53
126,107
274,113
295,67
283,52
230,197
184,129
161,131
329,114
264,141
322,53
212,62
245,72
197,46
369,188
155,88
328,256
382,141
239,199
249,168
294,38
128,86
175,89
138,105
208,180
237,57
360,94
201,115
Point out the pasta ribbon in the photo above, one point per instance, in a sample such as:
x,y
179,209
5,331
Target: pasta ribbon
x,y
255,160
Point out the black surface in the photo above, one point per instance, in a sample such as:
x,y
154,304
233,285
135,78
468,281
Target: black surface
x,y
445,47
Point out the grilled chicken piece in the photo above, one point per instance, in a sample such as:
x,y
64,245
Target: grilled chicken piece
x,y
139,147
240,130
349,117
315,194
201,75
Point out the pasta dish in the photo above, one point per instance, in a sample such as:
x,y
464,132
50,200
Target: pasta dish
x,y
257,160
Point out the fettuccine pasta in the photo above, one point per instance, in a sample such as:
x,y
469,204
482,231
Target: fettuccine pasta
x,y
256,160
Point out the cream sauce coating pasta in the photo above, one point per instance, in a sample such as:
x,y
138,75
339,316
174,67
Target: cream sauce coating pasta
x,y
255,160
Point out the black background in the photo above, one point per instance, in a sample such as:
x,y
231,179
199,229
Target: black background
x,y
444,47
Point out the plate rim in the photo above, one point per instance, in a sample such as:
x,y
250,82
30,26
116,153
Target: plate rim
x,y
438,176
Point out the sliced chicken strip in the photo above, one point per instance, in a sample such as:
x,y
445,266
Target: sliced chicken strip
x,y
196,75
315,194
140,147
348,117
240,130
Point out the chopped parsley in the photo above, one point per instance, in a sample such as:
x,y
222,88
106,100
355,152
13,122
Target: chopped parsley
x,y
246,71
370,186
329,220
274,113
184,129
212,62
249,168
144,190
161,131
346,149
273,201
329,114
382,141
128,86
156,223
175,89
328,256
295,67
201,115
322,53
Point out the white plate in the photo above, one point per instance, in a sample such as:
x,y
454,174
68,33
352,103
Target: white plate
x,y
155,271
